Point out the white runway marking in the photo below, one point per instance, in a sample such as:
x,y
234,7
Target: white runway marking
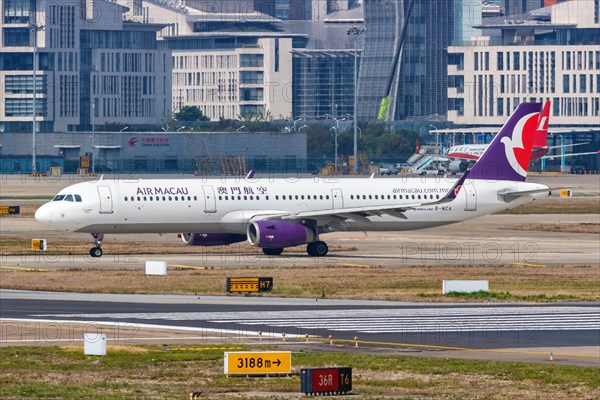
x,y
391,320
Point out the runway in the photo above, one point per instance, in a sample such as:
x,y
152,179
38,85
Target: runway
x,y
431,326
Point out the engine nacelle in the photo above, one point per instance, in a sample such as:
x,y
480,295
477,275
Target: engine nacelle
x,y
457,166
279,234
211,239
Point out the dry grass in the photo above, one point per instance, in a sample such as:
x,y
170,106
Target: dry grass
x,y
559,205
573,228
21,245
402,284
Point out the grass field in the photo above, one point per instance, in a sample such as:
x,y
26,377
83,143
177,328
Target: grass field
x,y
155,372
507,282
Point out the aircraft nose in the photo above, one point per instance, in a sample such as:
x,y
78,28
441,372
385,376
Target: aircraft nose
x,y
43,215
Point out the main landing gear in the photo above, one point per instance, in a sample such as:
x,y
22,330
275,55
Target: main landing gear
x,y
314,249
317,249
272,251
96,251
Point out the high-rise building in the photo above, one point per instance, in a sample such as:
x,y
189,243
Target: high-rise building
x,y
323,85
420,88
93,68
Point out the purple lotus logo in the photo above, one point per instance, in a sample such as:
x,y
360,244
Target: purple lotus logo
x,y
133,141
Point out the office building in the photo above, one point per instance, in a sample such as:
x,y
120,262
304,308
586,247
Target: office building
x,y
552,57
93,67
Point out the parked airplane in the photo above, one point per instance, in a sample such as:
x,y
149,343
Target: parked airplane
x,y
280,213
460,157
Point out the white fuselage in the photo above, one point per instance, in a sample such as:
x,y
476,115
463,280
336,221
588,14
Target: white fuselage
x,y
228,205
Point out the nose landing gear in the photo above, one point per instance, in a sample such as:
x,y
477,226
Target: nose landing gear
x,y
97,250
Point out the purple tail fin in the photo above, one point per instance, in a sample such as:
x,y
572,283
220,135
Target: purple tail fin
x,y
507,157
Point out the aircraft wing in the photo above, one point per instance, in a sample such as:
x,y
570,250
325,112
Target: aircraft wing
x,y
336,218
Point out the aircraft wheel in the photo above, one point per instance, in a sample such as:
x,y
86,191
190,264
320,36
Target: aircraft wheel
x,y
317,249
96,252
273,252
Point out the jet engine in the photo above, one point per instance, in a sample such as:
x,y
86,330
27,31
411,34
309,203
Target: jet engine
x,y
279,234
211,239
457,166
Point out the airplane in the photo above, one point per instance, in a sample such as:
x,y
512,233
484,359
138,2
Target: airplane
x,y
278,213
460,157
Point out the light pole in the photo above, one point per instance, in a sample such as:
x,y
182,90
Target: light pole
x,y
181,128
437,139
35,28
124,129
93,137
335,147
302,127
240,128
354,32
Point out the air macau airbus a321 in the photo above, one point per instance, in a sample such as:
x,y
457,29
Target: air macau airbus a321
x,y
279,213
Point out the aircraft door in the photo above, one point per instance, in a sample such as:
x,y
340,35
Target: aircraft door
x,y
471,194
210,204
106,202
337,198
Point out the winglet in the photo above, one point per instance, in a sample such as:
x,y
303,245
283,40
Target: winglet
x,y
250,174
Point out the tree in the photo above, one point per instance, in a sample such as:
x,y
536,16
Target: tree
x,y
189,114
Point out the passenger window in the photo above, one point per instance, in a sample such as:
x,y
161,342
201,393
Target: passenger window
x,y
151,198
59,197
220,198
170,198
176,198
78,198
437,196
266,198
321,197
376,197
296,197
351,197
389,197
138,198
189,198
125,198
144,198
302,197
276,197
413,196
239,197
251,197
419,197
364,196
195,198
327,197
395,197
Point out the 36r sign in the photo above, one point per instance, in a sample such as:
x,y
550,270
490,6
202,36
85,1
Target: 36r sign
x,y
326,380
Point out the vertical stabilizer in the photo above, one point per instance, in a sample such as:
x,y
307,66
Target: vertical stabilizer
x,y
507,157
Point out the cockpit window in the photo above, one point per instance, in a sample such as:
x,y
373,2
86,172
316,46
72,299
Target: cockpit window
x,y
69,197
78,198
58,197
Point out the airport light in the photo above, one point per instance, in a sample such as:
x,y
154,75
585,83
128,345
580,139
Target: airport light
x,y
35,28
355,32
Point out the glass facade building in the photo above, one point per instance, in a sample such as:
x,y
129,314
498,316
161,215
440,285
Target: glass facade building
x,y
323,83
421,81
